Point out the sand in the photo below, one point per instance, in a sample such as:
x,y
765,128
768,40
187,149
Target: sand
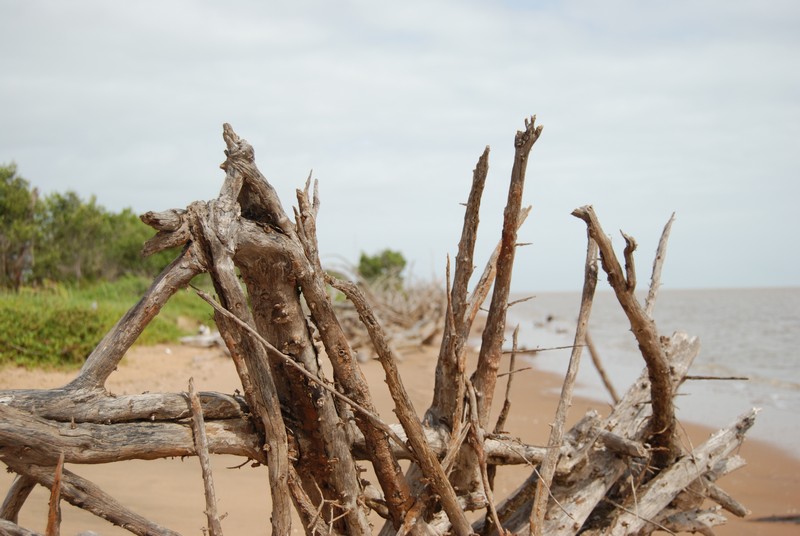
x,y
170,491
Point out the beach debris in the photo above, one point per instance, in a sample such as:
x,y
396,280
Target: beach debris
x,y
204,339
411,318
623,473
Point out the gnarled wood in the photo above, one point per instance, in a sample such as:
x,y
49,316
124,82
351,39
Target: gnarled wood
x,y
662,425
35,439
10,528
659,491
20,488
405,412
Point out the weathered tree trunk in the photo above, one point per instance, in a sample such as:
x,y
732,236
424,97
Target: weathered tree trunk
x,y
619,475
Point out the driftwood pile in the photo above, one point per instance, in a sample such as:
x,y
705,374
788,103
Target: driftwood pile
x,y
624,474
411,316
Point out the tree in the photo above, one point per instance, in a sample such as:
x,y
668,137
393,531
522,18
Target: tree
x,y
387,265
81,241
73,238
18,205
123,253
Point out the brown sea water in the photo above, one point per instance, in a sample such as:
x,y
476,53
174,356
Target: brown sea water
x,y
743,332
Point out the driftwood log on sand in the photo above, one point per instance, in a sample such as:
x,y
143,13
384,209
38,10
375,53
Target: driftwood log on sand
x,y
624,474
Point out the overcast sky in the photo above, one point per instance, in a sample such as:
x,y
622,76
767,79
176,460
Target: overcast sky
x,y
647,107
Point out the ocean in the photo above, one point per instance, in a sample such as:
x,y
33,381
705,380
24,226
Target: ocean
x,y
743,332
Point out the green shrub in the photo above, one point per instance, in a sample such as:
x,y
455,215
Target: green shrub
x,y
387,264
58,326
47,329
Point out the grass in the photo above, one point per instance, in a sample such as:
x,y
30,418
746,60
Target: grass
x,y
58,326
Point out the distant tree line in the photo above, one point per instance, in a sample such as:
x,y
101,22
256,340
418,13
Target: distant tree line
x,y
63,238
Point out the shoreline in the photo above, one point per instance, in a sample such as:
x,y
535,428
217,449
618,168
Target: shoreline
x,y
170,491
751,341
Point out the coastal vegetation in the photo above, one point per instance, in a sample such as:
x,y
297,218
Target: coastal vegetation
x,y
64,239
57,325
69,270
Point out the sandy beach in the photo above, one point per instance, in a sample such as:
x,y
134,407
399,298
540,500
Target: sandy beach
x,y
170,491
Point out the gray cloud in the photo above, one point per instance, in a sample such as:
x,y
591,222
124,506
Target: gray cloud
x,y
688,106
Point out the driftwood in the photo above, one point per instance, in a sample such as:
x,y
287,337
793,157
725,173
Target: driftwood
x,y
622,474
411,317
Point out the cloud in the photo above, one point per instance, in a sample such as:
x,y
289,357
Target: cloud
x,y
647,109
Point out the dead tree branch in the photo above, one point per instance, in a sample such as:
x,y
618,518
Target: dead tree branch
x,y
370,415
658,265
109,352
405,412
658,493
662,426
54,513
485,375
548,468
601,370
448,393
201,447
86,495
504,411
478,295
10,528
15,498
